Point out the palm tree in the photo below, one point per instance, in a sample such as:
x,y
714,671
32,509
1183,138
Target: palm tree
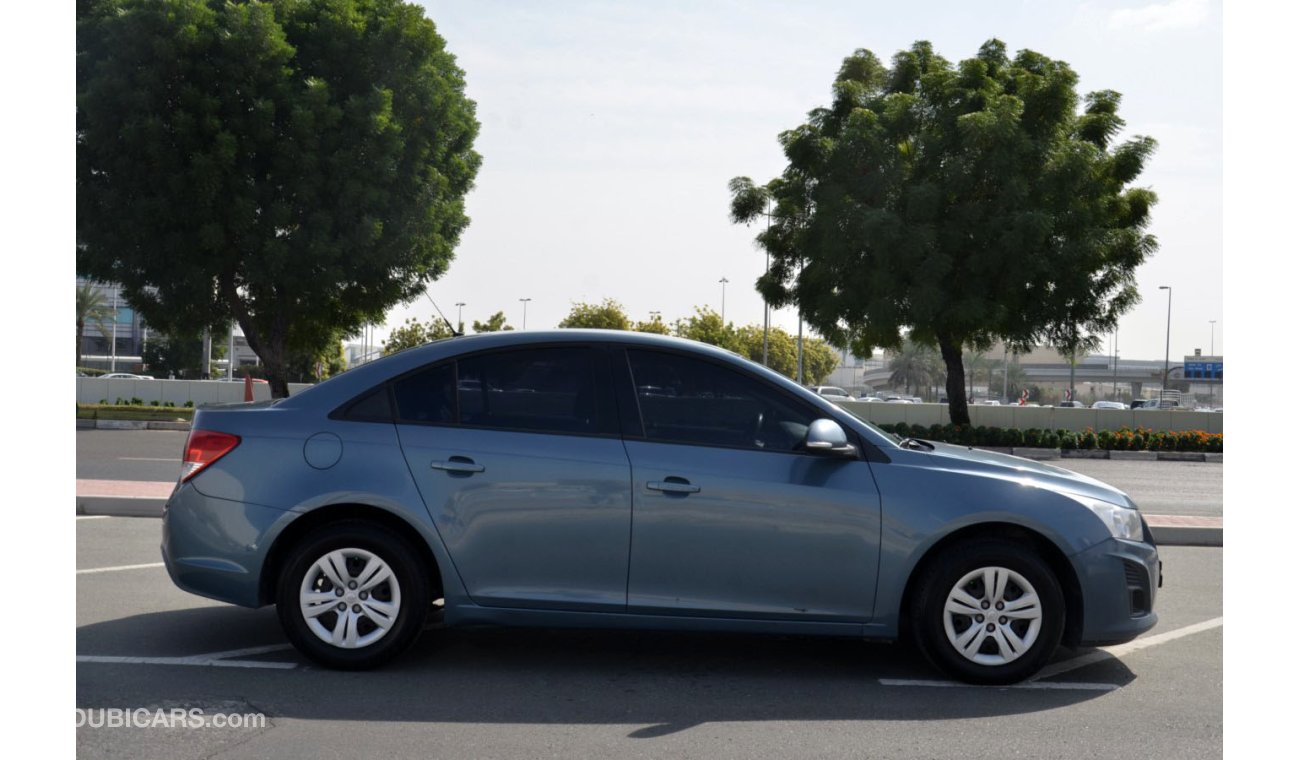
x,y
90,308
912,365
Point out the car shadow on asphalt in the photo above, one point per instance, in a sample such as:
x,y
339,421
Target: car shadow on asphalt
x,y
662,682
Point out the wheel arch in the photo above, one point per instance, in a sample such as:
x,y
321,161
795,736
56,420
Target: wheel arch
x,y
332,513
1052,554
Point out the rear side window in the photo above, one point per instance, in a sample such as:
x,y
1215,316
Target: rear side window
x,y
548,390
372,407
427,396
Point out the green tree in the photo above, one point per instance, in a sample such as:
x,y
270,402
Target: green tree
x,y
819,360
960,204
299,166
494,323
913,365
654,325
706,326
606,315
414,333
1069,341
91,309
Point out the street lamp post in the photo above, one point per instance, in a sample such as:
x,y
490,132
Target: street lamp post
x,y
767,269
1212,321
112,362
724,282
1169,313
460,318
524,324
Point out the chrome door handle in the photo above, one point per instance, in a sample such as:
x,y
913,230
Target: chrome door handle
x,y
670,486
458,464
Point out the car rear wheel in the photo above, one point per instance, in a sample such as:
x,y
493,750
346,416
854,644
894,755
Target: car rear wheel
x,y
989,612
352,595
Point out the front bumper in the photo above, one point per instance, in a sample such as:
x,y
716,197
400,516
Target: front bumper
x,y
216,547
1118,580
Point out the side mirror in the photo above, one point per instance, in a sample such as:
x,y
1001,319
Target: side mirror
x,y
827,437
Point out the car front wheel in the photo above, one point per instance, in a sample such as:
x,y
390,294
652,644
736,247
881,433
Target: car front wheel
x,y
352,595
989,612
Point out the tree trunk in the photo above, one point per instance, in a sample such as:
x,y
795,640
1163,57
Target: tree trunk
x,y
958,412
271,351
81,327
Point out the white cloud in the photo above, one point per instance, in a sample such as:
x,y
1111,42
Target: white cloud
x,y
1175,14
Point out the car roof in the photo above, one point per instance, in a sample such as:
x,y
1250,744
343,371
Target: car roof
x,y
348,384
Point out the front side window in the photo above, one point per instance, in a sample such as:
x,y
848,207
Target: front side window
x,y
549,390
687,400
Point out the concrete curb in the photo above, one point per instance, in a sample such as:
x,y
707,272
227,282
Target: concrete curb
x,y
1085,454
1187,536
1031,452
120,506
169,426
1216,457
1133,456
121,425
1181,456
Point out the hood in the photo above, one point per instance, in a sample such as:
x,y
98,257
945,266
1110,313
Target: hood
x,y
993,464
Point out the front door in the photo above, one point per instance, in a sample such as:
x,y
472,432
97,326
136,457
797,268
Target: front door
x,y
729,518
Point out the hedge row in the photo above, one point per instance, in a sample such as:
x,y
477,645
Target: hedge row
x,y
126,411
1124,439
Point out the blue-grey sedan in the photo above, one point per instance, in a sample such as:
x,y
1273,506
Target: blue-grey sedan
x,y
590,478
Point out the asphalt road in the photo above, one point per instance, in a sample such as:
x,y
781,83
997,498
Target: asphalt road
x,y
1167,488
521,693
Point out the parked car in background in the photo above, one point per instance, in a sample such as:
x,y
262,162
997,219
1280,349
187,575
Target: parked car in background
x,y
869,397
641,482
125,376
1108,405
830,391
1072,404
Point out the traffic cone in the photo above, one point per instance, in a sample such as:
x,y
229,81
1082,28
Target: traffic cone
x,y
248,387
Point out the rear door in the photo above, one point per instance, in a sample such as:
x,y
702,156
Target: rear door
x,y
517,456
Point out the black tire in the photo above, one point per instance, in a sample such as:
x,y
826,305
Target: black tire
x,y
355,537
940,579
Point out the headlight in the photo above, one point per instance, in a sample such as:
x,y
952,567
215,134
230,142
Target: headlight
x,y
1123,522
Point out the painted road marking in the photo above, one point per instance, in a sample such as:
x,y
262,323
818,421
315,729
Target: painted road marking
x,y
93,517
1101,655
1106,653
211,659
120,567
149,459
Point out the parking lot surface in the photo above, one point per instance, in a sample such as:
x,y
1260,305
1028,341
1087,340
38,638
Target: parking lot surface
x,y
144,645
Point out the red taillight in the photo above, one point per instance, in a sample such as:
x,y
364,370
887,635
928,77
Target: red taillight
x,y
204,447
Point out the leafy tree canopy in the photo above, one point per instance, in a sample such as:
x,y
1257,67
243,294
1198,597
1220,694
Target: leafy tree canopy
x,y
494,323
706,326
413,333
297,165
957,203
606,315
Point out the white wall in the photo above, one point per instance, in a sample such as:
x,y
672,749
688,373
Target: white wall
x,y
91,390
1044,417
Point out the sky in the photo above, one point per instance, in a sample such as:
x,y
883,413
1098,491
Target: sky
x,y
610,131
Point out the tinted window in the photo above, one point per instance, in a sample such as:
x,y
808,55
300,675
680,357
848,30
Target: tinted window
x,y
372,407
549,390
428,395
685,400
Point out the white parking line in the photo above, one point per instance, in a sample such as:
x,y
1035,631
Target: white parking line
x,y
150,459
211,660
1106,653
120,567
93,517
1103,654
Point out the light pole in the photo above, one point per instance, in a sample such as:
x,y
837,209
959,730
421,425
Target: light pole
x,y
1212,355
724,282
1114,381
767,269
112,362
1169,313
460,319
524,324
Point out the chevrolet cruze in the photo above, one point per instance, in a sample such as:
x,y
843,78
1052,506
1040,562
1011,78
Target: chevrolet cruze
x,y
586,478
